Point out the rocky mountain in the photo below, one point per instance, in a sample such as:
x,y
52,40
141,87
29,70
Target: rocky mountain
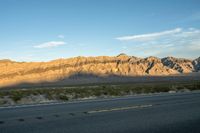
x,y
196,64
12,73
179,64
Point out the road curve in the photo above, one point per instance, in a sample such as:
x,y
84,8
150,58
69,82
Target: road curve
x,y
159,113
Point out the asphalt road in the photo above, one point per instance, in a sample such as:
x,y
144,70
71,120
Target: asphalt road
x,y
160,113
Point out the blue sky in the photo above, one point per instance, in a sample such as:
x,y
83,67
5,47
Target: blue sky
x,y
42,30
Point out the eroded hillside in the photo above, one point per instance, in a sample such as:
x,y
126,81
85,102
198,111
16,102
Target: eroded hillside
x,y
12,72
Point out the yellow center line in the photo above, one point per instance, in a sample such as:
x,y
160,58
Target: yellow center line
x,y
120,108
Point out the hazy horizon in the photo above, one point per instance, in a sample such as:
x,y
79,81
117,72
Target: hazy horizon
x,y
93,56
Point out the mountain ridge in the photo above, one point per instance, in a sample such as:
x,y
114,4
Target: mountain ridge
x,y
13,72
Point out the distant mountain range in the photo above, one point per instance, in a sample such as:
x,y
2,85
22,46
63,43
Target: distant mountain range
x,y
13,73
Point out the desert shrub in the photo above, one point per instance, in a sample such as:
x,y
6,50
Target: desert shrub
x,y
63,93
16,95
49,96
63,98
1,94
160,89
180,87
97,92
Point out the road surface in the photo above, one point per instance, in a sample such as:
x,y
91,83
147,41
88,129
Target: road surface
x,y
158,113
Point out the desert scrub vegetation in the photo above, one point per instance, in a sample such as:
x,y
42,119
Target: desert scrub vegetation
x,y
96,91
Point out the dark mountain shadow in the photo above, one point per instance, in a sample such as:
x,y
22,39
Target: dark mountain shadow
x,y
79,79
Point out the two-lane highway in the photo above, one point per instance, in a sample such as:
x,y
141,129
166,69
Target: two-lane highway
x,y
159,113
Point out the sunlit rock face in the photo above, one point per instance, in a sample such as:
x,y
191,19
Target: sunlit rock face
x,y
12,72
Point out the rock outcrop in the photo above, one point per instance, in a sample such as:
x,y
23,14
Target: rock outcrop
x,y
179,64
196,64
12,72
